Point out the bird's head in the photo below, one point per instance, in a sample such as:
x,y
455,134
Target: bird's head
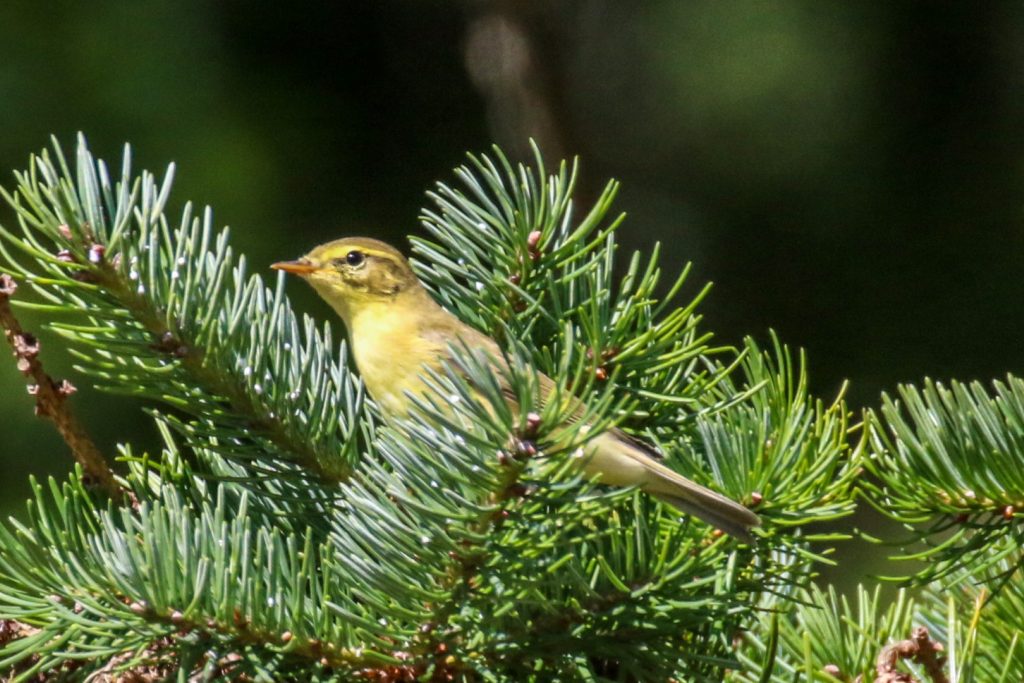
x,y
353,272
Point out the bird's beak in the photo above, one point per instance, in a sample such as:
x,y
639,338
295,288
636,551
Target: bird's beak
x,y
299,267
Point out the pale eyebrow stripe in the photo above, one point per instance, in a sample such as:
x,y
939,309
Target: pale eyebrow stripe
x,y
374,252
341,253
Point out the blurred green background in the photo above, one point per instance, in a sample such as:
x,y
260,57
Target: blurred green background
x,y
849,174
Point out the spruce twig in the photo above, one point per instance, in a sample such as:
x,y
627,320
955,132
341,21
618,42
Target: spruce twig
x,y
51,396
170,314
178,345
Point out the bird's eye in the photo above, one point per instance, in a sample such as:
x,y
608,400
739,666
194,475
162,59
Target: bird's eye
x,y
355,258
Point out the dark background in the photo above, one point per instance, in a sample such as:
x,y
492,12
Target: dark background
x,y
849,174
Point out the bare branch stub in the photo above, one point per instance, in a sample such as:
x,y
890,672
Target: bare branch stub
x,y
919,648
51,396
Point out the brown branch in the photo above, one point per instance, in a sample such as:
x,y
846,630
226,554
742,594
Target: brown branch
x,y
920,648
51,396
12,630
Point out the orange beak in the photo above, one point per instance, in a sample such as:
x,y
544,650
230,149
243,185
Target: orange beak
x,y
300,267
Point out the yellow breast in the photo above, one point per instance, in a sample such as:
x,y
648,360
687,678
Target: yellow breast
x,y
391,355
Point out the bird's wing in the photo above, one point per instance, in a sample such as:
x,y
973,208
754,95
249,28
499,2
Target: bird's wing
x,y
622,460
475,340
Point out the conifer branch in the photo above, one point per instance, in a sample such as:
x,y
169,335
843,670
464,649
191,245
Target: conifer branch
x,y
51,396
178,346
173,317
949,465
467,543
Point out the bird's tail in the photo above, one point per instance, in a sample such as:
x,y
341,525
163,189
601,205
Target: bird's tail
x,y
703,503
619,461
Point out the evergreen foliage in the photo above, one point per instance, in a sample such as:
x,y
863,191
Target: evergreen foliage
x,y
285,533
828,639
950,465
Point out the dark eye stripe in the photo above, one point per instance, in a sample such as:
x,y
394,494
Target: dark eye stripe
x,y
351,259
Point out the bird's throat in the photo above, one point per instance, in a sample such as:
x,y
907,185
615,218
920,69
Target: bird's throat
x,y
388,346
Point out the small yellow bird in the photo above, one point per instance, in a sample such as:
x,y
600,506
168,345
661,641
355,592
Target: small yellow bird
x,y
396,331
